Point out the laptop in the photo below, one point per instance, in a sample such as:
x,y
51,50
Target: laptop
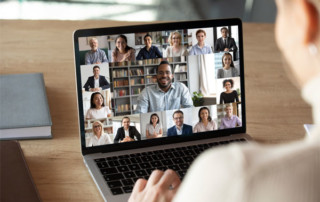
x,y
156,96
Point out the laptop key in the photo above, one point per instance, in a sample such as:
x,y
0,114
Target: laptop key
x,y
129,174
182,173
168,155
114,184
140,173
150,170
113,163
184,166
127,189
123,168
116,191
156,164
146,158
178,161
107,171
134,167
102,164
113,177
145,165
188,159
174,167
167,162
127,182
124,162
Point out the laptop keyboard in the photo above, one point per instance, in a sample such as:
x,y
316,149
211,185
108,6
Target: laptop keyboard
x,y
121,172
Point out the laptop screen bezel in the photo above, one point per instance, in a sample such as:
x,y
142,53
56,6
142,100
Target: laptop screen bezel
x,y
151,28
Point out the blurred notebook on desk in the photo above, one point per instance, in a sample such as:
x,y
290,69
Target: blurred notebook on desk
x,y
24,110
15,179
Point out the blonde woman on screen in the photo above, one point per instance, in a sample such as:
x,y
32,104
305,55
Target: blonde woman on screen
x,y
176,48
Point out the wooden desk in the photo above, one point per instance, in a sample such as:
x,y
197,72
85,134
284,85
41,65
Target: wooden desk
x,y
275,111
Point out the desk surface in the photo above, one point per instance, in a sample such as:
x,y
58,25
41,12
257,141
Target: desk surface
x,y
275,111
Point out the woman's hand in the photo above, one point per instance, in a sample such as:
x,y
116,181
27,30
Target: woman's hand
x,y
161,187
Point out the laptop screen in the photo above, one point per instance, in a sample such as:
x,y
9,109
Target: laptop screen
x,y
162,83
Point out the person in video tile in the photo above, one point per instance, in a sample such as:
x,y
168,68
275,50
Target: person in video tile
x,y
127,133
154,128
96,82
95,55
201,47
122,52
230,120
176,49
149,51
229,95
165,95
98,137
97,108
179,128
205,121
228,69
225,43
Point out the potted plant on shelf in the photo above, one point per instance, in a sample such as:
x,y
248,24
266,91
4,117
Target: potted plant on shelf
x,y
197,99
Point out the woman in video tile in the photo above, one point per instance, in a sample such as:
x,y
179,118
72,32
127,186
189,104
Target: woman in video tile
x,y
205,121
98,137
176,49
97,108
229,95
228,69
122,52
154,128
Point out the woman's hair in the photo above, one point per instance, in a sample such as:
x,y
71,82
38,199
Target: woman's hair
x,y
201,31
155,114
227,54
125,39
170,40
100,125
204,108
125,117
92,105
228,80
147,35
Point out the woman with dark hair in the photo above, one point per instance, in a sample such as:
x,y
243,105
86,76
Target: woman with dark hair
x,y
98,137
97,109
127,133
122,52
228,69
205,121
154,128
229,95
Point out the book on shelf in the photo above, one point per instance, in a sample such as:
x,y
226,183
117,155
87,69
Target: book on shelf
x,y
151,79
123,108
151,70
136,72
180,68
24,109
119,83
137,81
119,73
136,91
122,92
